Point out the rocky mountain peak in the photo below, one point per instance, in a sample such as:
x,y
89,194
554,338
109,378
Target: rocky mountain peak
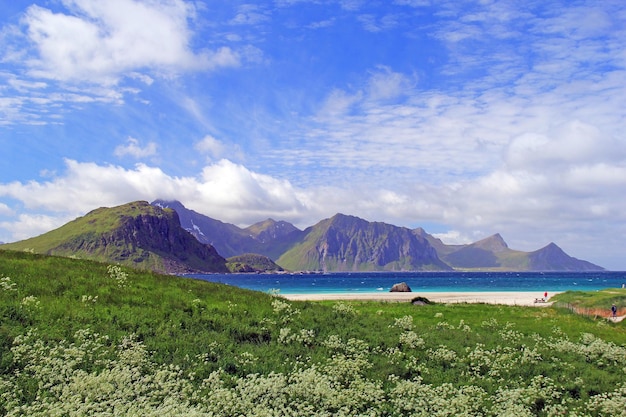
x,y
552,258
494,243
349,243
270,229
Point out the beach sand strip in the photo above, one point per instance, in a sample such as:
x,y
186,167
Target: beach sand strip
x,y
519,298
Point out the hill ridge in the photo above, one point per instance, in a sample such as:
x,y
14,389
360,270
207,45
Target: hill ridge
x,y
136,234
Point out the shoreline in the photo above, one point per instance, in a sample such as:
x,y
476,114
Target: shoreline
x,y
514,298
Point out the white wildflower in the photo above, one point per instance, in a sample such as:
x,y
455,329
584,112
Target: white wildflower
x,y
7,285
116,273
30,302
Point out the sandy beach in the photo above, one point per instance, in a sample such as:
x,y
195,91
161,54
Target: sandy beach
x,y
506,298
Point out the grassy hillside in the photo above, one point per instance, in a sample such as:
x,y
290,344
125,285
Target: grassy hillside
x,y
136,234
593,303
98,221
84,338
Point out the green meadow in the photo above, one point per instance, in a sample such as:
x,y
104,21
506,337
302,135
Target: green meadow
x,y
81,338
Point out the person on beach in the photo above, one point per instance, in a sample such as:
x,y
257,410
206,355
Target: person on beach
x,y
614,310
545,296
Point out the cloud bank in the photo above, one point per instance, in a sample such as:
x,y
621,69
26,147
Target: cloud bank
x,y
505,202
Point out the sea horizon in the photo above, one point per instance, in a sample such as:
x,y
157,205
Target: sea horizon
x,y
422,282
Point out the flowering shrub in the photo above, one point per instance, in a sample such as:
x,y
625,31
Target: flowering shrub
x,y
593,349
609,403
246,358
304,336
343,308
284,310
30,302
443,356
530,400
116,273
333,342
444,325
89,299
418,399
490,363
7,285
404,323
94,376
411,340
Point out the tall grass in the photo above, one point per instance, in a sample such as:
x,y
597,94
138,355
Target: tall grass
x,y
593,303
83,338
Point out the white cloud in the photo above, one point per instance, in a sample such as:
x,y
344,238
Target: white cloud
x,y
228,185
30,225
216,149
101,42
385,84
413,3
90,51
250,14
210,145
224,190
453,237
539,160
572,143
372,23
5,210
351,5
133,148
322,23
338,103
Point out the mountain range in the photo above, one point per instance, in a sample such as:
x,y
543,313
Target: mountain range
x,y
348,243
167,237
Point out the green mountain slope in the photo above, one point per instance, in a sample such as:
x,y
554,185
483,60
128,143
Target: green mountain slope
x,y
134,234
348,243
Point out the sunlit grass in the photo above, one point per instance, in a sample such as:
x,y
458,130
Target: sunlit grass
x,y
599,301
96,339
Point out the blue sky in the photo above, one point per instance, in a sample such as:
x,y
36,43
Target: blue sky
x,y
467,118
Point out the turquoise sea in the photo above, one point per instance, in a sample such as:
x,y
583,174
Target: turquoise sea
x,y
372,282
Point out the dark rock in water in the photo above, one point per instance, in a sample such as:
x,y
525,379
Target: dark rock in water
x,y
401,287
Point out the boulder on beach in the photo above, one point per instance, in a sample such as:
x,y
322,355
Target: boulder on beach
x,y
400,287
420,301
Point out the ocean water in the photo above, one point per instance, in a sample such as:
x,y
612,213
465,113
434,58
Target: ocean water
x,y
373,282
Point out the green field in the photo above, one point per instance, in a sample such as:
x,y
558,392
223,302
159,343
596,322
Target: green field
x,y
80,338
